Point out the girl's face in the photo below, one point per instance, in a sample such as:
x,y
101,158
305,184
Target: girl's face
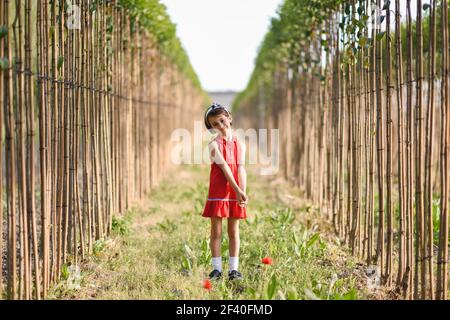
x,y
221,123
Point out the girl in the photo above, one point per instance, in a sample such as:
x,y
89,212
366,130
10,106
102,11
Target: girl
x,y
227,185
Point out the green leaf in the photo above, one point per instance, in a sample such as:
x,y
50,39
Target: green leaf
x,y
4,63
295,238
52,31
186,263
361,24
251,291
381,35
93,6
271,288
312,240
350,29
351,295
60,62
65,272
362,41
292,294
3,31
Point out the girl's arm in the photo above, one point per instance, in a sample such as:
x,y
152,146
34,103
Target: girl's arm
x,y
217,157
242,173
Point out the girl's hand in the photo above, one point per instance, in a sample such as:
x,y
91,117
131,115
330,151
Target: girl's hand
x,y
242,199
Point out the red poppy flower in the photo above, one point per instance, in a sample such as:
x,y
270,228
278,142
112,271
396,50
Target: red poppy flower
x,y
207,284
267,260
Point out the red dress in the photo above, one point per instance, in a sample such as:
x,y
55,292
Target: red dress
x,y
222,201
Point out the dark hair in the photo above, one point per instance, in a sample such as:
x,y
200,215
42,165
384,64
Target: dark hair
x,y
215,109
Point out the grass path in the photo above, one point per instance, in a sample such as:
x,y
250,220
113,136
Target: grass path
x,y
159,249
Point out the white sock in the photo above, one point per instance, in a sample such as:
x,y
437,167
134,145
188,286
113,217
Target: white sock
x,y
217,263
234,263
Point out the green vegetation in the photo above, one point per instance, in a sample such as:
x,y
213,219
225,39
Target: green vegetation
x,y
166,254
299,22
152,16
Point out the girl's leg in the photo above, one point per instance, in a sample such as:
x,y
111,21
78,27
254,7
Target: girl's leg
x,y
216,237
233,236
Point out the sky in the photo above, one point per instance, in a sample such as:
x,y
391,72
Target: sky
x,y
221,37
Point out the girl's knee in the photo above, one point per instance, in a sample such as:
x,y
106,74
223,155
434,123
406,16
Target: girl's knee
x,y
216,235
216,228
233,234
